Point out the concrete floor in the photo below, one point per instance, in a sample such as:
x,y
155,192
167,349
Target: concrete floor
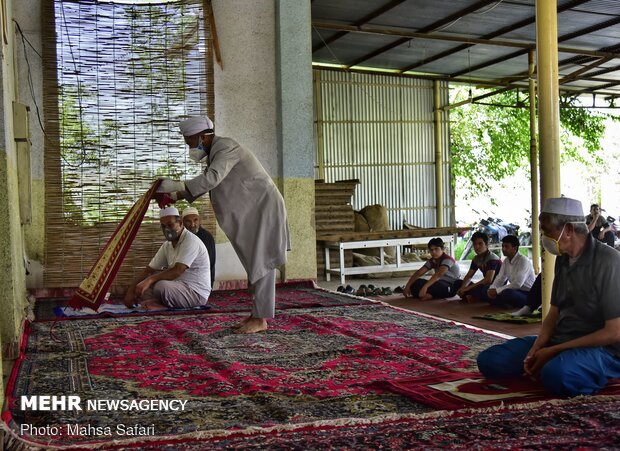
x,y
391,282
451,309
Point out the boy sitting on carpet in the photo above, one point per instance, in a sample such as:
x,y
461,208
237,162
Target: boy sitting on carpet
x,y
440,285
179,275
578,348
489,265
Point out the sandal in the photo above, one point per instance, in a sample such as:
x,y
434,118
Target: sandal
x,y
362,291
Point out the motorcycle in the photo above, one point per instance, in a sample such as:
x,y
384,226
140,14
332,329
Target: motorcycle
x,y
494,228
525,236
615,229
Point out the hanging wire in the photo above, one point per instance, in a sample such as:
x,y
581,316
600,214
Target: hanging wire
x,y
327,46
30,83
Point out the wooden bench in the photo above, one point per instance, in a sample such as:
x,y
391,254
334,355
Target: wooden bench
x,y
392,238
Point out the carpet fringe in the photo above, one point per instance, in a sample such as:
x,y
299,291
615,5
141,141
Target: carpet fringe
x,y
13,442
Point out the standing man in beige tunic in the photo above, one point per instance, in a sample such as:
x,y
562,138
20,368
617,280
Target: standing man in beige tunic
x,y
248,207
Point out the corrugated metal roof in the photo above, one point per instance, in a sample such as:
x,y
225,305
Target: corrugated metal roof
x,y
474,41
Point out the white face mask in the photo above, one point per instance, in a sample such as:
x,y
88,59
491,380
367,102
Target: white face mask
x,y
198,153
553,246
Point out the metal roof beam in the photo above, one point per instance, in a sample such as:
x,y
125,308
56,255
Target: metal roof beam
x,y
457,38
429,28
466,81
367,18
562,38
575,75
528,21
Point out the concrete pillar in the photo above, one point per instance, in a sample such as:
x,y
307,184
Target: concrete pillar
x,y
548,118
263,99
294,102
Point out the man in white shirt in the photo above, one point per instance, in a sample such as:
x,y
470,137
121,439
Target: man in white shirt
x,y
178,276
515,278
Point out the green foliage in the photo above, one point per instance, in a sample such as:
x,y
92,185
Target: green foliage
x,y
491,142
114,116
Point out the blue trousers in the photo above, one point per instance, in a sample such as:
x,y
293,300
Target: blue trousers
x,y
578,371
438,290
479,293
509,298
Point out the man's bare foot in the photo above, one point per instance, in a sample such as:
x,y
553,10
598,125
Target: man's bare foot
x,y
242,322
470,299
252,326
153,305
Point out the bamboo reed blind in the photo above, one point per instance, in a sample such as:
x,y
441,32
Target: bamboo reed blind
x,y
116,84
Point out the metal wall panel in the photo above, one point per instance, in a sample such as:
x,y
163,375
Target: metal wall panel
x,y
379,129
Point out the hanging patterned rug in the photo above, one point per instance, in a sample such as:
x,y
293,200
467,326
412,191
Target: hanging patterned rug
x,y
311,365
93,289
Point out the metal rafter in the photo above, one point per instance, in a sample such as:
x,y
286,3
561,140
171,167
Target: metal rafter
x,y
471,81
562,38
367,18
435,25
507,29
408,35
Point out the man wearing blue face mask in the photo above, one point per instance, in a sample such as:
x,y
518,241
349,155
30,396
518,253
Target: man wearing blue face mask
x,y
248,207
578,348
178,276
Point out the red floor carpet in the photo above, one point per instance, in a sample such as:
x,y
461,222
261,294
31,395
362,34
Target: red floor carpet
x,y
324,368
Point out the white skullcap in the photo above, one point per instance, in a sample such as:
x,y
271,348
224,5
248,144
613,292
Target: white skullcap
x,y
564,206
169,211
194,125
190,211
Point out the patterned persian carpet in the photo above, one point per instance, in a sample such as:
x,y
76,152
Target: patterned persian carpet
x,y
288,295
588,423
461,390
323,369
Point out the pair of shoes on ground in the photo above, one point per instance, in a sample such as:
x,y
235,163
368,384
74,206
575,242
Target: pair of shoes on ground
x,y
348,289
371,290
524,311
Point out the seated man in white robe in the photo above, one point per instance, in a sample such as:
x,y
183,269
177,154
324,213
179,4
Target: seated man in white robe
x,y
178,276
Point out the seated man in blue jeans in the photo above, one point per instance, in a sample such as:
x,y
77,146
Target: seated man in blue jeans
x,y
578,349
516,277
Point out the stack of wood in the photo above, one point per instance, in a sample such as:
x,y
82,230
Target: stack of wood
x,y
333,214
